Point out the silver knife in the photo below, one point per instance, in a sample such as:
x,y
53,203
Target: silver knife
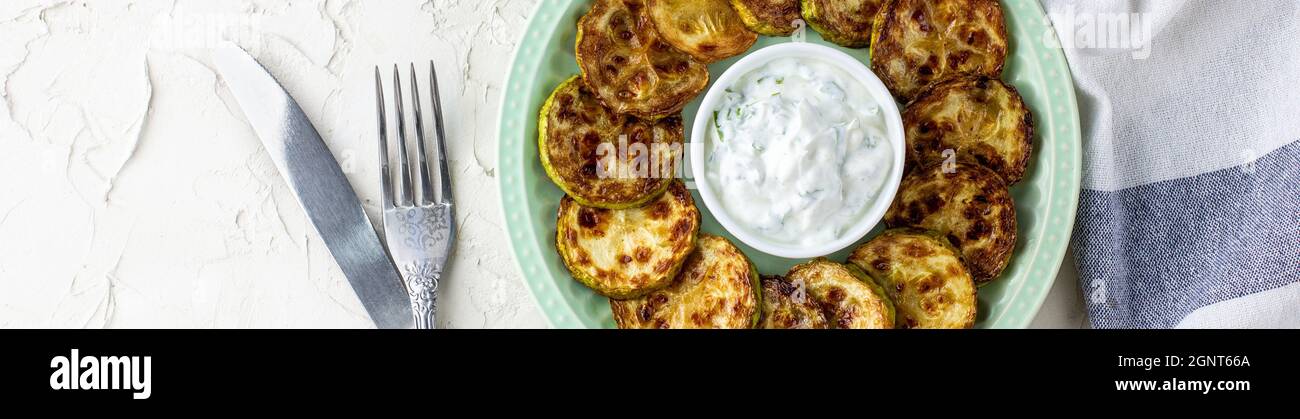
x,y
316,178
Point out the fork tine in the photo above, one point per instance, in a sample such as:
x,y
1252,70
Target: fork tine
x,y
385,175
424,177
445,194
403,163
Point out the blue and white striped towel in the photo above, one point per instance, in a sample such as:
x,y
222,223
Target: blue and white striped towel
x,y
1190,212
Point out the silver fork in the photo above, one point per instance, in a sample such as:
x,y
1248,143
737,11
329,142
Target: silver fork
x,y
419,219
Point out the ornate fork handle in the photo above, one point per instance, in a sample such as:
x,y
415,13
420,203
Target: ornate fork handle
x,y
422,286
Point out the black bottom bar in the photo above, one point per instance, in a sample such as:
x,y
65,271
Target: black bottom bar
x,y
456,367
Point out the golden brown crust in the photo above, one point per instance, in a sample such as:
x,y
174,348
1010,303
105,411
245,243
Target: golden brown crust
x,y
919,42
847,297
630,252
786,305
716,289
709,30
769,17
579,139
629,66
970,206
980,119
923,275
846,23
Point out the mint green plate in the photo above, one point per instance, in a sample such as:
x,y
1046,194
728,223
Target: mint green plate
x,y
1045,201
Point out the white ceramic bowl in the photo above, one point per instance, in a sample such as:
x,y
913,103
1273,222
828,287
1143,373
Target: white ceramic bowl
x,y
893,131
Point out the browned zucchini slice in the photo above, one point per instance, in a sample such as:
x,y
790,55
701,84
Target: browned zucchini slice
x,y
630,252
923,275
969,206
915,43
629,66
980,119
769,17
786,305
717,289
571,129
847,23
709,30
847,296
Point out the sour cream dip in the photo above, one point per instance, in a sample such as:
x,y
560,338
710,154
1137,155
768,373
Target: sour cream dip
x,y
797,152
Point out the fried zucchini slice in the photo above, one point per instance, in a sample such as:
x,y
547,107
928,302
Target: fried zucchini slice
x,y
571,129
629,66
847,296
630,252
915,43
786,305
847,23
717,289
769,17
923,275
970,206
980,118
709,30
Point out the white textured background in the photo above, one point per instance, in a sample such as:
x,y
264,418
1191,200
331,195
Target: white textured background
x,y
133,194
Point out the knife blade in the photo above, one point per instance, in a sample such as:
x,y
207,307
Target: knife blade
x,y
316,179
